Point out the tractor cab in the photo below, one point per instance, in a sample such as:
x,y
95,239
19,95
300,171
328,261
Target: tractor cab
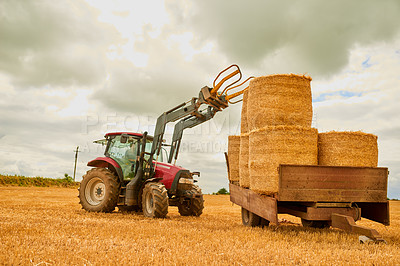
x,y
125,148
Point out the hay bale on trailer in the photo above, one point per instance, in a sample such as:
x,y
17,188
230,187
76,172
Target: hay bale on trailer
x,y
274,145
244,176
244,128
233,156
347,149
283,99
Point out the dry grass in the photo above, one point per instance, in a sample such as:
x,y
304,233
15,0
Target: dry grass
x,y
46,226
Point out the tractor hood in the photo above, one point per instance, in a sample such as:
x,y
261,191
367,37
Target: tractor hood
x,y
168,172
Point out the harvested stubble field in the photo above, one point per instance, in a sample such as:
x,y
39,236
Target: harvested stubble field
x,y
45,226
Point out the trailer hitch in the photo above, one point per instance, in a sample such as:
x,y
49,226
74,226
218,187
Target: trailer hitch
x,y
348,224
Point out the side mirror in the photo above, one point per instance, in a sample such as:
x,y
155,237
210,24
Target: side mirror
x,y
124,138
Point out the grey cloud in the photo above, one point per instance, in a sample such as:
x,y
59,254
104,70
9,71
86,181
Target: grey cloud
x,y
394,178
52,43
371,116
165,82
287,36
38,142
390,133
310,36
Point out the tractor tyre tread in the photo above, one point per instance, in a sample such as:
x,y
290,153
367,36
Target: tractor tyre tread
x,y
160,200
111,194
196,207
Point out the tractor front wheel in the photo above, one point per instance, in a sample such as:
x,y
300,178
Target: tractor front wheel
x,y
193,206
99,190
155,200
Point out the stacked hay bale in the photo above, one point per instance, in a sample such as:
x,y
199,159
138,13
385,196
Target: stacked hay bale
x,y
233,155
276,129
279,100
274,145
244,127
279,114
348,149
244,176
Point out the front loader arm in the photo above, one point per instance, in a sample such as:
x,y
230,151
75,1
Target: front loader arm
x,y
188,122
190,113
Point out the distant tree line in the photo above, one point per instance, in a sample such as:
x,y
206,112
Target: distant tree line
x,y
23,181
222,191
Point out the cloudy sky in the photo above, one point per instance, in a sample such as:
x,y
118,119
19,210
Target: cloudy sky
x,y
71,71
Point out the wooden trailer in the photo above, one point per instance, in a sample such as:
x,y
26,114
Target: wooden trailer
x,y
321,196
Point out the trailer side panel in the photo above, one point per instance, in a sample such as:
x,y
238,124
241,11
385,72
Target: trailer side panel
x,y
263,206
332,184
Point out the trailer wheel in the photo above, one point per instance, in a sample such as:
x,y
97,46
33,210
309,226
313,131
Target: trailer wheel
x,y
99,190
263,222
155,200
315,224
250,219
192,207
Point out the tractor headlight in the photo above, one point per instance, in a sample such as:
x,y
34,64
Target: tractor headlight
x,y
186,181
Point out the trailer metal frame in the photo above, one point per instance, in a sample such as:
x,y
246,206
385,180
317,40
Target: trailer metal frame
x,y
337,195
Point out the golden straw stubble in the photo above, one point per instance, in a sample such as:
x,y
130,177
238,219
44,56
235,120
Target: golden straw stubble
x,y
283,99
233,157
243,122
347,148
274,145
244,174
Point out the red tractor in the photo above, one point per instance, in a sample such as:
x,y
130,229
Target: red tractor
x,y
137,173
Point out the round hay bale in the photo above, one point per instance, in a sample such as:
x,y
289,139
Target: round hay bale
x,y
244,175
274,145
279,100
233,157
347,149
243,122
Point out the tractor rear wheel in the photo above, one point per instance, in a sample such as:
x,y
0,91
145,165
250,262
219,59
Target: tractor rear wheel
x,y
194,206
99,190
155,200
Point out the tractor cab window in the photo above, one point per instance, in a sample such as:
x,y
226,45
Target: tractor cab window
x,y
124,154
160,158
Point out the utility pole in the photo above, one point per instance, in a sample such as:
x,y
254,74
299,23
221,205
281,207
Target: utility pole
x,y
76,158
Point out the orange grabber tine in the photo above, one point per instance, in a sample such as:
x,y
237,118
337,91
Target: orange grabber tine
x,y
218,86
233,95
228,98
